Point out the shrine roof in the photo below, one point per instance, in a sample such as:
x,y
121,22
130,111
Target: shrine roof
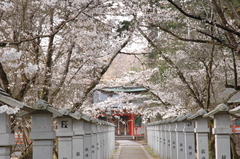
x,y
127,89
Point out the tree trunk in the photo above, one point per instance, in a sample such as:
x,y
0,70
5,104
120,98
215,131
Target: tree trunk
x,y
211,141
4,79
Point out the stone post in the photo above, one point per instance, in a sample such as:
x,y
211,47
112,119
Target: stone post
x,y
221,130
148,136
201,130
189,138
99,140
168,141
163,153
78,128
6,137
109,140
87,140
180,138
152,136
173,149
42,133
68,143
94,139
161,141
102,141
164,139
113,137
105,143
155,139
158,136
65,134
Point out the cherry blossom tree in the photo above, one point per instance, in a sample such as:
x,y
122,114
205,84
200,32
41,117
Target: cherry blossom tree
x,y
192,54
57,48
183,37
196,44
61,48
56,51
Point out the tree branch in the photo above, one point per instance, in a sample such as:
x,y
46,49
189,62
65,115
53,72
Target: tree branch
x,y
224,21
4,79
103,71
213,37
65,72
132,53
170,62
204,20
194,40
55,30
160,99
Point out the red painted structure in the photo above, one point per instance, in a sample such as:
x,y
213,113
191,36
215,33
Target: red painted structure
x,y
124,126
131,124
236,125
125,122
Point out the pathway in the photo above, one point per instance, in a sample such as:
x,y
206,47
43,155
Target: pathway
x,y
131,150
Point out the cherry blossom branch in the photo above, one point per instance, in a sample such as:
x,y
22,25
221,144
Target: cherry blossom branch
x,y
133,53
170,62
224,20
74,75
194,40
56,29
157,96
65,72
103,71
203,19
213,37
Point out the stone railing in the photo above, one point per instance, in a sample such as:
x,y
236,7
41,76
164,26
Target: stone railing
x,y
176,138
82,137
78,136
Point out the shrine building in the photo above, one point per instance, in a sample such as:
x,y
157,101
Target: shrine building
x,y
127,124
